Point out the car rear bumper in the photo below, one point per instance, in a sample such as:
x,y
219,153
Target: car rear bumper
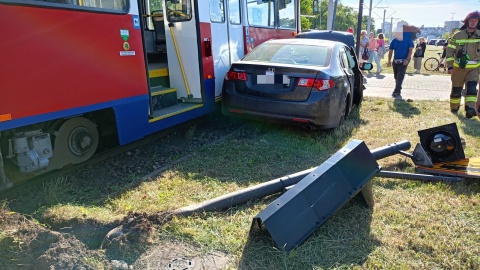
x,y
319,110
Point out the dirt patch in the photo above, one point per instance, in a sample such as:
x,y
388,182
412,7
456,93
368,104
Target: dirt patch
x,y
134,236
168,255
28,245
133,244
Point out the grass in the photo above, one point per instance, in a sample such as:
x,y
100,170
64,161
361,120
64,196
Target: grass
x,y
413,225
431,51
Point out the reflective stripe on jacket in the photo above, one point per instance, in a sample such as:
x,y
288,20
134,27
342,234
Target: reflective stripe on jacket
x,y
461,41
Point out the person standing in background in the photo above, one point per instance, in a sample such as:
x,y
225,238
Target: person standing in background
x,y
363,47
381,46
372,52
419,54
444,55
401,49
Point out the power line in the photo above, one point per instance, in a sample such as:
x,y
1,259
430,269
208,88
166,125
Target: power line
x,y
370,14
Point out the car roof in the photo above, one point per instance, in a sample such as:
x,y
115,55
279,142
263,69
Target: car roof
x,y
344,37
304,41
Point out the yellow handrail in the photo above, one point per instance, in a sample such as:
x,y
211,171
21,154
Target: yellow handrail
x,y
189,95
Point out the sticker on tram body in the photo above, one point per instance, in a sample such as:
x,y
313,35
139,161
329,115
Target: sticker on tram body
x,y
127,53
136,22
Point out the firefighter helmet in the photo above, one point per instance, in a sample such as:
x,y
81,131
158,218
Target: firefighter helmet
x,y
472,15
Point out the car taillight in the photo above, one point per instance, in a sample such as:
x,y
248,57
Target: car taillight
x,y
318,84
234,75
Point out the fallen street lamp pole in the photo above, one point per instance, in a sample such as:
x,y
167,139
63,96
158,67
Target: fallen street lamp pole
x,y
274,186
327,188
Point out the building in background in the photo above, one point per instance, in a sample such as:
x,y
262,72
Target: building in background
x,y
424,31
451,26
436,31
386,29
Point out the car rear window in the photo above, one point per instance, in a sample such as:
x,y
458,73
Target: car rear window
x,y
295,54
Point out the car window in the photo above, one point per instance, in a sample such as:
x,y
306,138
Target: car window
x,y
297,54
343,58
350,57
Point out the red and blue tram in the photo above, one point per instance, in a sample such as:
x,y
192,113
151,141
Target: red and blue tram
x,y
75,71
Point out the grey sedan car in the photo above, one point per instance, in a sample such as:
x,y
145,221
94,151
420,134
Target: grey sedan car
x,y
307,82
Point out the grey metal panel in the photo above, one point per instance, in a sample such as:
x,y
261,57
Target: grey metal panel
x,y
291,218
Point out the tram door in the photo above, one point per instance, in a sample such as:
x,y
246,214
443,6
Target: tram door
x,y
182,48
227,36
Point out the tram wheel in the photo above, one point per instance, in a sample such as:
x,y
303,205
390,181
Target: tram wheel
x,y
75,141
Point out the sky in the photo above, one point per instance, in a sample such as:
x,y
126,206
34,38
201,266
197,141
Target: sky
x,y
417,12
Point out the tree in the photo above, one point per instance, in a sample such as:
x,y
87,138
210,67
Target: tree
x,y
345,17
306,8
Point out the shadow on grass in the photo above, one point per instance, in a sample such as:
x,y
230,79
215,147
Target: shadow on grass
x,y
343,241
405,108
471,126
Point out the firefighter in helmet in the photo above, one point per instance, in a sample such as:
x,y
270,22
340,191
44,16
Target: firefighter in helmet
x,y
463,61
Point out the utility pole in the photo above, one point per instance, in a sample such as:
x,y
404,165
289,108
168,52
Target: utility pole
x,y
334,14
391,26
453,14
383,24
330,15
370,8
369,18
359,26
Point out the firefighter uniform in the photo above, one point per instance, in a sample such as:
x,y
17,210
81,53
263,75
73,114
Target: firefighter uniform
x,y
463,55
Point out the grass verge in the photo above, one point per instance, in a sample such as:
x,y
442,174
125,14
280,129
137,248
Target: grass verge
x,y
413,225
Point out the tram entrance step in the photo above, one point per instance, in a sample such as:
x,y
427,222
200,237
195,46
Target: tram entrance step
x,y
158,75
163,97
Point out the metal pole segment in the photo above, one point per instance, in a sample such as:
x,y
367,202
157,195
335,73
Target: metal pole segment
x,y
390,150
420,177
274,186
244,195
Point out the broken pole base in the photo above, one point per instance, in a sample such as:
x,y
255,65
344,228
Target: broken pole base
x,y
292,217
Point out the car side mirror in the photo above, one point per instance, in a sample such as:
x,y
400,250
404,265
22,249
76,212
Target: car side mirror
x,y
366,66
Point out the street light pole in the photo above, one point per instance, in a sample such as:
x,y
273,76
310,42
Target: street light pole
x,y
369,17
391,27
359,26
383,24
330,15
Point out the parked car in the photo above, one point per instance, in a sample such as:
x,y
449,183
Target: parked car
x,y
432,41
340,36
307,82
440,42
344,37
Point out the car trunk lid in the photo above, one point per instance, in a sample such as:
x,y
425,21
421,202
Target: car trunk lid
x,y
273,81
